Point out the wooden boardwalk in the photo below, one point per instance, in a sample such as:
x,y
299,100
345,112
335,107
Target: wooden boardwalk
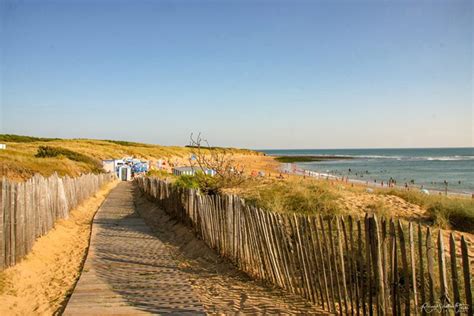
x,y
128,270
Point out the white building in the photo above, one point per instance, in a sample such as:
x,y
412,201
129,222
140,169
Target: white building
x,y
191,171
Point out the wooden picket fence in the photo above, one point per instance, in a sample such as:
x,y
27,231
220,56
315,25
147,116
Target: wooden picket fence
x,y
29,209
348,266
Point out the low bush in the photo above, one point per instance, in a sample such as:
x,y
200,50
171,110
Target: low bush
x,y
159,174
187,181
49,152
205,183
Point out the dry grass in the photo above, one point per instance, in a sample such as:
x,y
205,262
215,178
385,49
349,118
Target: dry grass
x,y
305,197
445,211
18,161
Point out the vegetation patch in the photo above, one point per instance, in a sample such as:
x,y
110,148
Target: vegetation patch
x,y
24,139
291,159
127,143
303,198
445,211
187,181
50,152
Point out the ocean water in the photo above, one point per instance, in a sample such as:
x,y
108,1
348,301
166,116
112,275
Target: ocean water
x,y
427,167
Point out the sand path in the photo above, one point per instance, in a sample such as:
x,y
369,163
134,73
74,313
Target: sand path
x,y
132,269
128,270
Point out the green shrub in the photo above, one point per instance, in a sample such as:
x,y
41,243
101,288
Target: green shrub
x,y
159,174
49,152
187,181
205,183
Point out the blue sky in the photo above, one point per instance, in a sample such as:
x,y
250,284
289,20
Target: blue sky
x,y
257,74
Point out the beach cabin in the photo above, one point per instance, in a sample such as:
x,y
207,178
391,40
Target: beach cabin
x,y
178,171
124,173
191,171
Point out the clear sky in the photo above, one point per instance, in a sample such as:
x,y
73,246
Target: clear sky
x,y
256,74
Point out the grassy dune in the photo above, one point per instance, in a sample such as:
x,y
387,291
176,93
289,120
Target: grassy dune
x,y
19,160
445,211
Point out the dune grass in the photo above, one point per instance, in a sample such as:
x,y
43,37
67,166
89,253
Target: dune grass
x,y
18,161
305,197
49,152
445,211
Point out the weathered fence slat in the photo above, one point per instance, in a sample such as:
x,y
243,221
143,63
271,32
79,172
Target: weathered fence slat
x,y
467,275
413,267
377,256
430,260
454,270
443,281
422,271
403,251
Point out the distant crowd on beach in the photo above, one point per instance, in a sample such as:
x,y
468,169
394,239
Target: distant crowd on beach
x,y
291,168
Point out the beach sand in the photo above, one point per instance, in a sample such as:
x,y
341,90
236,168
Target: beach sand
x,y
40,283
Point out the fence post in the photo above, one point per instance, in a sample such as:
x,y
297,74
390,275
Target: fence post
x,y
422,271
430,259
442,271
454,270
3,209
413,266
467,274
401,236
378,269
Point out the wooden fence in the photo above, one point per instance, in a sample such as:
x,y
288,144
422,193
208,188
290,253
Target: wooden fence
x,y
348,266
29,209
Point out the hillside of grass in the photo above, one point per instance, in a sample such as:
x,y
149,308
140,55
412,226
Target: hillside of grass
x,y
21,159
